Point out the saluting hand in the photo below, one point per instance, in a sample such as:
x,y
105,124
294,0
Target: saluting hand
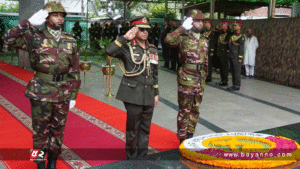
x,y
38,18
131,33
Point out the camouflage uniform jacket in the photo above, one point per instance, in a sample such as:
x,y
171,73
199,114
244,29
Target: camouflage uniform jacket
x,y
192,51
142,88
48,57
236,46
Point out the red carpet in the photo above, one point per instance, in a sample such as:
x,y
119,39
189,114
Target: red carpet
x,y
87,140
17,137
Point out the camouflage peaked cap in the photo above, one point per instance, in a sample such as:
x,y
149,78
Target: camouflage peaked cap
x,y
195,14
55,7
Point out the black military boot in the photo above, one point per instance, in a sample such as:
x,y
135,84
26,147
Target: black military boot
x,y
190,135
41,165
51,162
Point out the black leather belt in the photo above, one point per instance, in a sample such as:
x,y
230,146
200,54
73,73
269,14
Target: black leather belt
x,y
53,78
192,66
58,78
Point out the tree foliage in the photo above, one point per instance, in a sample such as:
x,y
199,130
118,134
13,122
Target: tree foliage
x,y
9,7
159,11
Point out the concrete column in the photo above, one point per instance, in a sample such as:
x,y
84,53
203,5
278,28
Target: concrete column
x,y
26,9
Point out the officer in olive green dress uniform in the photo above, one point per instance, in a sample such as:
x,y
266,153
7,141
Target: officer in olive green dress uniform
x,y
139,86
222,52
212,41
53,89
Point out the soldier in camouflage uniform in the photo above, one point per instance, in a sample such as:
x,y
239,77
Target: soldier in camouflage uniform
x,y
193,47
53,89
139,86
236,54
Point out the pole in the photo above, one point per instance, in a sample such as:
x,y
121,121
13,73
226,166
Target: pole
x,y
166,6
270,9
82,8
212,10
109,80
273,8
182,14
125,11
87,22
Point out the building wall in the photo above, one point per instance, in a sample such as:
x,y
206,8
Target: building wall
x,y
263,12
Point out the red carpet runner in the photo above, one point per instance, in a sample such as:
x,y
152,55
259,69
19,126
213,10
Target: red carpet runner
x,y
86,135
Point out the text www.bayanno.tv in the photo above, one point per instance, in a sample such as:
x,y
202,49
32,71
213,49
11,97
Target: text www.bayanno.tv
x,y
257,155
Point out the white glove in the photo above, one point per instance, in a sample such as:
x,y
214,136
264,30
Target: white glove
x,y
38,18
72,104
188,23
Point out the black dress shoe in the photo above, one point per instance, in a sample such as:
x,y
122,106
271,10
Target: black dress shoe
x,y
51,162
222,84
181,140
233,88
41,165
190,135
208,80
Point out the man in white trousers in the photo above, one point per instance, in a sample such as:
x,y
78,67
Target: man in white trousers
x,y
251,44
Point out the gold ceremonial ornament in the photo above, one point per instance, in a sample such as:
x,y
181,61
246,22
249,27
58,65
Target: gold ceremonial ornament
x,y
108,71
145,61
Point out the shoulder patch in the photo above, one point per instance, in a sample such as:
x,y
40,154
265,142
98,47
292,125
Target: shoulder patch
x,y
69,34
153,46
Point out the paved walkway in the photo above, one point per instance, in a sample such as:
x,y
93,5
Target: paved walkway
x,y
259,105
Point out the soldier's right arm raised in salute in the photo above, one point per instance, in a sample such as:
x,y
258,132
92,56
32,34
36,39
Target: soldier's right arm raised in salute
x,y
173,38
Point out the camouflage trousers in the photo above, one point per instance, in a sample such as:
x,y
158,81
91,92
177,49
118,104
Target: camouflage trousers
x,y
48,123
189,100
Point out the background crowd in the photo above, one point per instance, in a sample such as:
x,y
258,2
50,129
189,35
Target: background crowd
x,y
113,29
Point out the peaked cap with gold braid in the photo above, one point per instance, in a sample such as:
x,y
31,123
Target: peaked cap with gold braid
x,y
140,21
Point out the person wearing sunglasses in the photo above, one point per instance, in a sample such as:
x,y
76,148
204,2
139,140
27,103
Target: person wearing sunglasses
x,y
193,47
139,85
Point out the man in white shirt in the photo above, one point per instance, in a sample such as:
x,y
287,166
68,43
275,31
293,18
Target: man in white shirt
x,y
251,44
